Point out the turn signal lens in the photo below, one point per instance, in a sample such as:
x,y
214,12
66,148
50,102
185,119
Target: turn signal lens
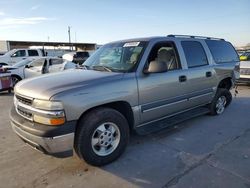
x,y
49,121
57,121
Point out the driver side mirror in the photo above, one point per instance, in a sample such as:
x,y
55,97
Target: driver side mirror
x,y
156,67
13,55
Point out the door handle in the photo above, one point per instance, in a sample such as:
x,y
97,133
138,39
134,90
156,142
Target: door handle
x,y
208,74
182,78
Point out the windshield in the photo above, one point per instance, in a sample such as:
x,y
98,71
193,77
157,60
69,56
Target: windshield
x,y
9,53
116,57
22,63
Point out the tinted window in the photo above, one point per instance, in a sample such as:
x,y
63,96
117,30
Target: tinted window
x,y
222,51
82,54
19,53
33,53
194,53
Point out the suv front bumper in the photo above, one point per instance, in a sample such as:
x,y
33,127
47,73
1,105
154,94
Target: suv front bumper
x,y
56,141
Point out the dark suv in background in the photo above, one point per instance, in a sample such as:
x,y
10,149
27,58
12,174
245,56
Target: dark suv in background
x,y
80,57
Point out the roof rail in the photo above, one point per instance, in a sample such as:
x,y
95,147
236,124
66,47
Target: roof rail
x,y
196,37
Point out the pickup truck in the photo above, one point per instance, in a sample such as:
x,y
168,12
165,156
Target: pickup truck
x,y
141,85
16,55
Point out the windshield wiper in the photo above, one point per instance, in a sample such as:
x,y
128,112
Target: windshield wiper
x,y
97,67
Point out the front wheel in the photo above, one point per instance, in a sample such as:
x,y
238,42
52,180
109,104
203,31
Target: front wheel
x,y
221,100
102,136
15,79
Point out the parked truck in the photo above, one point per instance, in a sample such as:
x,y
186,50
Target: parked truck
x,y
13,56
141,85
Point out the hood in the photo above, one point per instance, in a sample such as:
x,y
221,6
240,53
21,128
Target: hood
x,y
245,64
9,67
44,87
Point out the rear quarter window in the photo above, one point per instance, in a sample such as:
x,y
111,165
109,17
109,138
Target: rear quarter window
x,y
33,53
222,51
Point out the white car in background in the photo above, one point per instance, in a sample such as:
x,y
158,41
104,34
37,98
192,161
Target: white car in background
x,y
244,72
34,67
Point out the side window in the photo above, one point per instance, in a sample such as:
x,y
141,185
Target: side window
x,y
222,51
33,53
194,53
19,53
165,52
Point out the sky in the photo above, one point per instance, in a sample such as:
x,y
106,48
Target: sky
x,y
102,21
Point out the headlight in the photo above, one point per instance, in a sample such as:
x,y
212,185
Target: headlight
x,y
47,105
54,114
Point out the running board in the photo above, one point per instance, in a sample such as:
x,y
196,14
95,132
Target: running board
x,y
170,121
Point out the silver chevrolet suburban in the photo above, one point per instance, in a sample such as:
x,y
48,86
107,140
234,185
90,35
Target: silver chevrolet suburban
x,y
140,85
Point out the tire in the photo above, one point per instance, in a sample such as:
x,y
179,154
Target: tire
x,y
102,136
15,79
221,100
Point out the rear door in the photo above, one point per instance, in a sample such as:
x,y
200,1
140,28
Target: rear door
x,y
33,53
200,74
35,68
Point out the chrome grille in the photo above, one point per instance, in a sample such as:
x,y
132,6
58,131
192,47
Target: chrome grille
x,y
24,100
24,113
245,71
20,104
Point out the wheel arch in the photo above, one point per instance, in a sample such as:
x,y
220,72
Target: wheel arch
x,y
17,76
121,106
226,83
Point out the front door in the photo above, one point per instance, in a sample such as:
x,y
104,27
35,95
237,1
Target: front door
x,y
162,94
19,55
35,68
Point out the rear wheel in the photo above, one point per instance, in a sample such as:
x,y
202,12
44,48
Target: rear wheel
x,y
221,100
102,136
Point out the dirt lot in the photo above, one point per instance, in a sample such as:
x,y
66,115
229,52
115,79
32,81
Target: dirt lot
x,y
203,152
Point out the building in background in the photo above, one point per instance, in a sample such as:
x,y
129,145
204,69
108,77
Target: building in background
x,y
6,45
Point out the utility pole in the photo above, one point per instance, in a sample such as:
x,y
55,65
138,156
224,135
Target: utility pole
x,y
70,47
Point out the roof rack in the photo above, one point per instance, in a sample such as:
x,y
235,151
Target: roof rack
x,y
196,37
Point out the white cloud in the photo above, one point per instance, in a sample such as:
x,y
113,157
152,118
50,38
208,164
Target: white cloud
x,y
22,21
2,13
35,7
